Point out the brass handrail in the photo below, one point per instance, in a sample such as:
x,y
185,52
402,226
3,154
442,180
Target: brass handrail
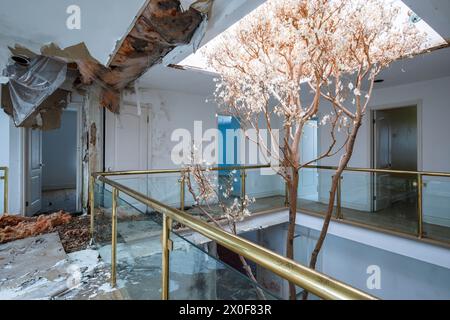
x,y
308,279
165,171
5,178
314,282
368,170
419,176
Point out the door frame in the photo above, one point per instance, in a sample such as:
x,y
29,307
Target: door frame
x,y
241,147
371,138
72,107
26,163
79,187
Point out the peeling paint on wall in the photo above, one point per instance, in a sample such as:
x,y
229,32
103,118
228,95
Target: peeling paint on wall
x,y
92,138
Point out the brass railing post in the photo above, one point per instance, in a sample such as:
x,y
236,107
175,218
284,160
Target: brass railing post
x,y
182,192
92,204
167,246
243,182
312,281
114,238
420,205
5,190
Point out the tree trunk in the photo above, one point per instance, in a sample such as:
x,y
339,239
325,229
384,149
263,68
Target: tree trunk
x,y
293,189
334,185
248,270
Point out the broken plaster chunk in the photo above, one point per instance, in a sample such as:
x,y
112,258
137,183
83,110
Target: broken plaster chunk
x,y
202,6
186,4
39,121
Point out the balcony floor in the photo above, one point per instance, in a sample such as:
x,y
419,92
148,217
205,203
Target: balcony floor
x,y
400,217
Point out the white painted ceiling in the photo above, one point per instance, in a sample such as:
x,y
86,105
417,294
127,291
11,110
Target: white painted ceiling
x,y
430,66
224,14
35,23
104,22
424,67
435,12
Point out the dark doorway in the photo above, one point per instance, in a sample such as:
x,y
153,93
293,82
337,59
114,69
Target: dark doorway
x,y
395,136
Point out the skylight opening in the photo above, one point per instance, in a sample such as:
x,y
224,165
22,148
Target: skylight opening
x,y
198,61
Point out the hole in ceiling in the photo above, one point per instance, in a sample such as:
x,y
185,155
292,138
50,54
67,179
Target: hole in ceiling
x,y
21,60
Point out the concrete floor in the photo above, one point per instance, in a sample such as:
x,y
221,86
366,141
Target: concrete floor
x,y
38,269
194,274
56,200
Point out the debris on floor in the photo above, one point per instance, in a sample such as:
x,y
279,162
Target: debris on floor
x,y
15,228
37,268
73,231
75,235
40,268
32,268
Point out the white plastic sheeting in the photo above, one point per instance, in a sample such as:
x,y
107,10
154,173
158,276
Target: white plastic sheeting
x,y
29,86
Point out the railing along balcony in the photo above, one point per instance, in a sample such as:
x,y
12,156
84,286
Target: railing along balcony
x,y
412,204
404,203
124,197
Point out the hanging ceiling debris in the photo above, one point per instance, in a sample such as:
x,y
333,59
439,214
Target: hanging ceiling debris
x,y
31,83
46,116
161,26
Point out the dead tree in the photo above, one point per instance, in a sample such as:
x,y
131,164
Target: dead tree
x,y
201,184
293,52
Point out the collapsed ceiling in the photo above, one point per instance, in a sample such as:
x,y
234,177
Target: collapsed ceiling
x,y
161,26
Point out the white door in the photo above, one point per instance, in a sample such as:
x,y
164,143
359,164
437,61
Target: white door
x,y
127,148
382,143
34,172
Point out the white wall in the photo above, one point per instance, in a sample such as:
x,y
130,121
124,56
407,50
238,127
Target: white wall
x,y
169,111
433,99
16,172
410,269
10,156
59,154
4,152
401,277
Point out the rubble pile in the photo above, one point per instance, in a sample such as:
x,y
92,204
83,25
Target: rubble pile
x,y
75,235
14,228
